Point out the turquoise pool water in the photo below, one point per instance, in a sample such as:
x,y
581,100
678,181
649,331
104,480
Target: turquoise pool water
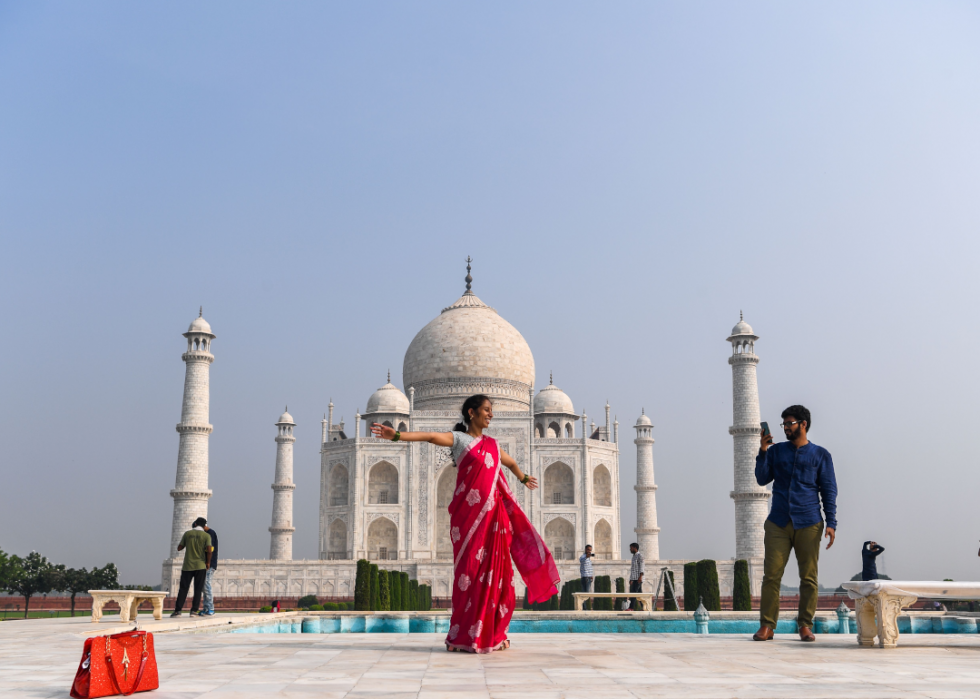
x,y
381,623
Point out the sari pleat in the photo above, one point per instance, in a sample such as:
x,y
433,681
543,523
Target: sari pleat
x,y
488,529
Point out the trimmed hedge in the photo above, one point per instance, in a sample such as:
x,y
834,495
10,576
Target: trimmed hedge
x,y
395,580
265,610
708,585
404,588
331,606
317,607
690,586
384,592
670,604
375,588
307,601
362,586
741,590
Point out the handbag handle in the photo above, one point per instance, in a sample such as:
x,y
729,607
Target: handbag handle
x,y
112,668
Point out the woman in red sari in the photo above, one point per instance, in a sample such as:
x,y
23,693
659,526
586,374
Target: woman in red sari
x,y
488,529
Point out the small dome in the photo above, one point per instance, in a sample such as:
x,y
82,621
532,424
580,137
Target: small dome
x,y
643,420
742,328
199,325
285,418
388,399
552,399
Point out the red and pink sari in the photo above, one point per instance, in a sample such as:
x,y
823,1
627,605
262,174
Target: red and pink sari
x,y
488,529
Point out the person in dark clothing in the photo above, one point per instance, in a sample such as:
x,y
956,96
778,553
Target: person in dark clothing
x,y
197,560
869,552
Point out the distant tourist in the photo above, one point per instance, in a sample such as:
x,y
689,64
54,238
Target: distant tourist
x,y
869,552
637,568
585,571
802,475
208,604
197,560
488,529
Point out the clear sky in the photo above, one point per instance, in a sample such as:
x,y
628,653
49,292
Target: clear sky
x,y
626,176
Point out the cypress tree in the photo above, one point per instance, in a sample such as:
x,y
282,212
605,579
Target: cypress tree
x,y
741,592
604,585
566,596
555,603
670,604
620,587
690,586
395,580
413,595
527,604
362,586
384,591
375,588
405,586
708,585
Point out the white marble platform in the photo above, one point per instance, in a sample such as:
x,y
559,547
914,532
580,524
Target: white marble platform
x,y
38,659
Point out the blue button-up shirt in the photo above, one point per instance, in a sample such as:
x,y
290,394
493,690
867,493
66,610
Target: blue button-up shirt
x,y
585,566
800,479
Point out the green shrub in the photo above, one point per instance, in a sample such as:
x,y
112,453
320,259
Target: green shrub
x,y
375,587
265,610
362,586
330,606
603,583
413,595
316,607
670,604
395,580
741,591
384,592
690,586
405,590
307,601
708,585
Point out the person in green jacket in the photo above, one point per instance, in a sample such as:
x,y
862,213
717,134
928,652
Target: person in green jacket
x,y
197,560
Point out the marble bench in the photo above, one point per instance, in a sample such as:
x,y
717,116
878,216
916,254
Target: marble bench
x,y
129,601
877,604
644,598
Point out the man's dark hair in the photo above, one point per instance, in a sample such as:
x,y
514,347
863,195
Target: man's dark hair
x,y
199,522
798,412
588,546
636,545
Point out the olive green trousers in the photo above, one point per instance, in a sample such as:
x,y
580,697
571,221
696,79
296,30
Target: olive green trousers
x,y
779,542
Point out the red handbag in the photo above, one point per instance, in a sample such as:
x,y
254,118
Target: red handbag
x,y
120,664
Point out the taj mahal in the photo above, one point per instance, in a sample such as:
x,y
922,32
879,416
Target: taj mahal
x,y
387,501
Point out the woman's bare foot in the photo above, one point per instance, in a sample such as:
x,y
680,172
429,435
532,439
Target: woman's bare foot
x,y
505,645
450,649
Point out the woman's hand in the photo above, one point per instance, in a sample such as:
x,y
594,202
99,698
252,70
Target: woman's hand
x,y
532,483
382,431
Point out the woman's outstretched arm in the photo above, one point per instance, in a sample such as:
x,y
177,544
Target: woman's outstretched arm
x,y
508,461
440,439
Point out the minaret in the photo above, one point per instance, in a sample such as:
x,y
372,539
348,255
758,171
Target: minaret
x,y
324,430
647,531
282,527
191,492
751,499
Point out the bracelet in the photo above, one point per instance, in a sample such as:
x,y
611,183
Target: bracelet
x,y
525,479
398,435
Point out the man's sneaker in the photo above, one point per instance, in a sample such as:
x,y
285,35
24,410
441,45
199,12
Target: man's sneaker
x,y
175,614
209,613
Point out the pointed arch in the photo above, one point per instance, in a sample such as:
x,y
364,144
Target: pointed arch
x,y
338,485
601,486
337,540
383,484
382,540
559,535
444,496
602,543
559,484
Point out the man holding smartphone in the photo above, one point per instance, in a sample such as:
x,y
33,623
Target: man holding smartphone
x,y
802,475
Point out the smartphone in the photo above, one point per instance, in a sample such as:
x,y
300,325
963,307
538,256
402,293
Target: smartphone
x,y
765,429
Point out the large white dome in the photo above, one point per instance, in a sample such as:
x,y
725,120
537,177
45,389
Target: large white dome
x,y
467,349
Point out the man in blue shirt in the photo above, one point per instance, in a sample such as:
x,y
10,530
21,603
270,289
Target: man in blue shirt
x,y
803,477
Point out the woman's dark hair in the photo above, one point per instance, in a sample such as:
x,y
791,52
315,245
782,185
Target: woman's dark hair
x,y
798,412
471,403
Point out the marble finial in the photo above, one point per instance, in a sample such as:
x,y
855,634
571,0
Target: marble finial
x,y
469,277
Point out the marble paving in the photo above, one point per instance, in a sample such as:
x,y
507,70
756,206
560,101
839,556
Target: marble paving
x,y
38,658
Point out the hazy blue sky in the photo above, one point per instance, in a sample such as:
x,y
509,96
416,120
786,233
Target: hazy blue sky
x,y
626,176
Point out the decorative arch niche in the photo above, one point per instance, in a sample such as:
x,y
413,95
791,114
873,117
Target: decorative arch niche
x,y
383,484
337,540
603,542
444,495
601,486
382,540
559,535
338,485
559,485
